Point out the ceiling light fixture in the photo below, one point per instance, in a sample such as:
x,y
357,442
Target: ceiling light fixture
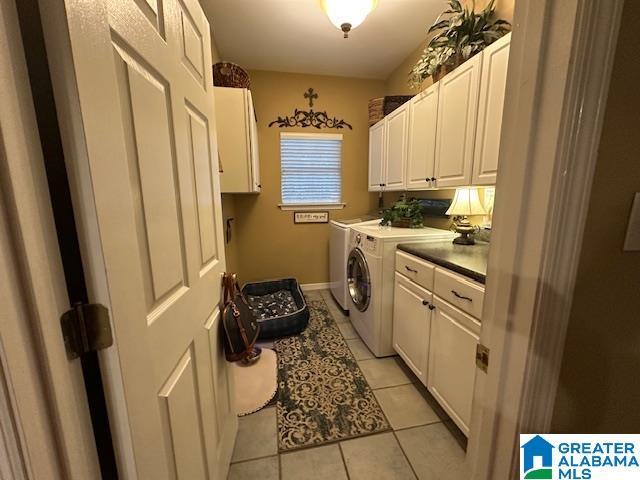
x,y
347,14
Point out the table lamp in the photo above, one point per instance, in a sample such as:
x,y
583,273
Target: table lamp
x,y
465,202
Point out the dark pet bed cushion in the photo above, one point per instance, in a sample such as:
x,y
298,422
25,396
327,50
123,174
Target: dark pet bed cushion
x,y
279,307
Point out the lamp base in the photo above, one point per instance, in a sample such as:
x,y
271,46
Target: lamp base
x,y
466,231
464,239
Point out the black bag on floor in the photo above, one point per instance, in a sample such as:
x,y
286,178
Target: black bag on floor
x,y
240,326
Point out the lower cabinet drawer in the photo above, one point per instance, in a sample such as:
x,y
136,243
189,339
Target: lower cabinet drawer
x,y
459,292
412,307
416,269
452,369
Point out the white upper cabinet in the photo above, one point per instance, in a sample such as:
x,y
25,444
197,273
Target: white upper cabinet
x,y
457,114
447,136
237,141
492,88
376,156
396,148
423,119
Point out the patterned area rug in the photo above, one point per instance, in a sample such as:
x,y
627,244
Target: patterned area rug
x,y
323,396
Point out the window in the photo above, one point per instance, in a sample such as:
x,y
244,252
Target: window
x,y
310,166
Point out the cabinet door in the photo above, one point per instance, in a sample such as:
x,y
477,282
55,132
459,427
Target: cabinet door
x,y
421,155
376,156
492,87
396,148
452,368
457,114
411,324
255,185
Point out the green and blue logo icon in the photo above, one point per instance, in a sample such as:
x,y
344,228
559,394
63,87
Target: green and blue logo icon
x,y
537,459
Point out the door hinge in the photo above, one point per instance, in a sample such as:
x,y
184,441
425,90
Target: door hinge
x,y
86,328
482,357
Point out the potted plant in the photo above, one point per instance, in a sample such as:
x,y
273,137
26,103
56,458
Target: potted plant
x,y
404,213
462,32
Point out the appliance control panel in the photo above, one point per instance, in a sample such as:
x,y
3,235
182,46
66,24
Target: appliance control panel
x,y
369,243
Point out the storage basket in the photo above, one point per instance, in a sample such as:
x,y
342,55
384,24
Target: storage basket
x,y
376,110
227,74
395,101
383,106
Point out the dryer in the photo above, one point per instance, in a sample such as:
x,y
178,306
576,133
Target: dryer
x,y
370,274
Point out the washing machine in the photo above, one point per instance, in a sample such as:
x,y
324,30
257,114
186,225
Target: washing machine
x,y
370,275
338,253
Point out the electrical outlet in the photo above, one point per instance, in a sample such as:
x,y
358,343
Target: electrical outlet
x,y
632,240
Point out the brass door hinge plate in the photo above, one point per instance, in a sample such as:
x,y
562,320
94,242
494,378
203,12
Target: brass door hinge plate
x,y
86,328
482,357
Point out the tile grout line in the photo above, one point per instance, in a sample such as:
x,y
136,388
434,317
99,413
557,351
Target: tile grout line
x,y
344,461
415,474
246,460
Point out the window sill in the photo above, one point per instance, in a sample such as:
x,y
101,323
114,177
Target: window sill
x,y
311,206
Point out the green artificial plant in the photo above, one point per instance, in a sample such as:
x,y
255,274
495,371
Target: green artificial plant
x,y
404,211
462,32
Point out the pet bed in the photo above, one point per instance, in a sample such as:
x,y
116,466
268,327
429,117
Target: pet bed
x,y
279,307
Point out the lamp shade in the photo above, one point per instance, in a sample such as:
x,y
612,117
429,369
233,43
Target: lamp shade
x,y
466,202
348,12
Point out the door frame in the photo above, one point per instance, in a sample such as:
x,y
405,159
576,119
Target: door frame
x,y
558,80
43,404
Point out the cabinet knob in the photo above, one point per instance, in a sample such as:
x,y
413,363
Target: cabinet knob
x,y
427,179
432,307
425,303
382,184
259,185
433,179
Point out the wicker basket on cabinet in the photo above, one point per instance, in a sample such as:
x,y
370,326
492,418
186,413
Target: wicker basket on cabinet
x,y
227,74
383,106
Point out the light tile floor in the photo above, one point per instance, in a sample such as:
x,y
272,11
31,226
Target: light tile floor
x,y
423,444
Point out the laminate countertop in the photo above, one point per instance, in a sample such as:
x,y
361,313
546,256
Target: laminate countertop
x,y
467,260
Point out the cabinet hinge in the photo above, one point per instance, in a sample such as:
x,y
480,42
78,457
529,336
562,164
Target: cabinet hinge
x,y
482,357
86,328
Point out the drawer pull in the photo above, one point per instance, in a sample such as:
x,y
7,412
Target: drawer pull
x,y
410,269
432,307
425,302
461,297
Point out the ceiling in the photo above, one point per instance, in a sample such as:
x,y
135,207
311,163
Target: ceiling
x,y
296,36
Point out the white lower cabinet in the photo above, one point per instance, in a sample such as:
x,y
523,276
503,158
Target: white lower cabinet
x,y
412,309
452,370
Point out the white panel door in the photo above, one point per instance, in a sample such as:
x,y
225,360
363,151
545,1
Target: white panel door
x,y
412,324
493,83
376,156
150,195
452,367
396,148
421,155
457,113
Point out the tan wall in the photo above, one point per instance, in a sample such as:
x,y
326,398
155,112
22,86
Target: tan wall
x,y
228,202
599,391
397,82
271,245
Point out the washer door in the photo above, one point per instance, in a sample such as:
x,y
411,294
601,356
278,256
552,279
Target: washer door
x,y
358,280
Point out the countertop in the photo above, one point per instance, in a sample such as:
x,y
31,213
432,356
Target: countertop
x,y
467,260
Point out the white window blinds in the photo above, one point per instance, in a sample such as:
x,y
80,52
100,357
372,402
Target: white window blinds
x,y
310,165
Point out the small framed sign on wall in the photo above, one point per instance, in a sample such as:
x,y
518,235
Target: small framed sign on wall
x,y
310,217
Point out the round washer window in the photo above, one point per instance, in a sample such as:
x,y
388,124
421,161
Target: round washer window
x,y
358,280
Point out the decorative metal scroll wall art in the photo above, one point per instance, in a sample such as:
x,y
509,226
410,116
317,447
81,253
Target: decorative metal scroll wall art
x,y
310,118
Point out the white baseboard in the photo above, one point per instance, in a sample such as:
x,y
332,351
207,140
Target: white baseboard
x,y
307,287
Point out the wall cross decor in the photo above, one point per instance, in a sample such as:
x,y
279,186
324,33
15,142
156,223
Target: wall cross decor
x,y
310,118
311,95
